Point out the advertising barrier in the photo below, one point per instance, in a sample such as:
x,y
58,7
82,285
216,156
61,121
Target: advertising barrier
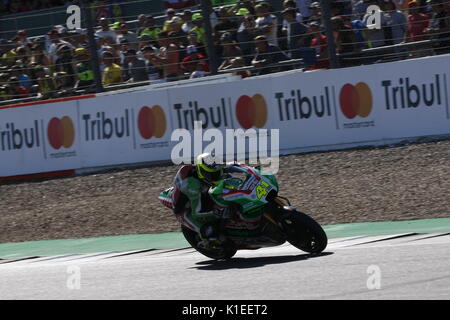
x,y
361,106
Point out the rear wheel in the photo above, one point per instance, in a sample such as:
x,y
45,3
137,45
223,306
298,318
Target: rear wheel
x,y
224,252
304,232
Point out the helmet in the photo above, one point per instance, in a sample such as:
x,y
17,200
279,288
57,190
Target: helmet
x,y
208,170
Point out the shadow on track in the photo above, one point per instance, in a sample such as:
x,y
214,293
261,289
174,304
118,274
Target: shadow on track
x,y
244,263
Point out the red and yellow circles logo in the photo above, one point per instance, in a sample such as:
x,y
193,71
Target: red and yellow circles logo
x,y
251,111
152,122
356,100
61,133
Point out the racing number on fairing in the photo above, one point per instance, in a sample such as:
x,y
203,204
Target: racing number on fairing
x,y
261,189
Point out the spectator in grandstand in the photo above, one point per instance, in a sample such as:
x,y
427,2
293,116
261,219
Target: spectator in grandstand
x,y
359,29
105,31
230,50
344,35
112,74
295,33
266,56
248,5
417,23
55,42
125,34
375,35
149,29
154,72
320,45
292,4
15,90
21,38
145,40
123,46
23,56
174,27
121,53
246,33
102,47
4,78
197,19
168,57
266,23
227,23
316,13
8,53
397,22
65,34
66,64
45,83
64,88
115,26
141,20
187,21
38,55
84,71
193,58
193,40
304,6
440,26
199,71
137,68
22,75
170,14
4,92
239,62
359,9
78,38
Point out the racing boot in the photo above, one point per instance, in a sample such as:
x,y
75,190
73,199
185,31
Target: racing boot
x,y
209,233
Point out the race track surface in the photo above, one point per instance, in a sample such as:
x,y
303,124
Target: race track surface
x,y
404,266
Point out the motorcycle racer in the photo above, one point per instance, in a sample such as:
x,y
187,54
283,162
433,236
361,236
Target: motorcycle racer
x,y
191,185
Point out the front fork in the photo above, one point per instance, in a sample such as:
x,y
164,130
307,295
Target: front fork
x,y
277,213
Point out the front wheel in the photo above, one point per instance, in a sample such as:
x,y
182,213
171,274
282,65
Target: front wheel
x,y
304,232
225,252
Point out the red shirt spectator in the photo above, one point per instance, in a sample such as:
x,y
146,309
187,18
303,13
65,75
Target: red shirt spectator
x,y
189,63
417,23
16,90
319,42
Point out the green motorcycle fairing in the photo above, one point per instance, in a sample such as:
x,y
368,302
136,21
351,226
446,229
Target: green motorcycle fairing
x,y
250,194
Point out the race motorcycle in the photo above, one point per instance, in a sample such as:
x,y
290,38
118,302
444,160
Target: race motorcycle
x,y
255,193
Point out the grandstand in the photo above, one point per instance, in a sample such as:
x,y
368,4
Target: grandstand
x,y
131,43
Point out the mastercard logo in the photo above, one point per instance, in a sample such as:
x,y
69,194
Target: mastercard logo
x,y
61,133
152,122
356,100
251,111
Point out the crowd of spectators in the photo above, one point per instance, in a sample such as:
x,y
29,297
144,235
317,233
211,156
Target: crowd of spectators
x,y
247,34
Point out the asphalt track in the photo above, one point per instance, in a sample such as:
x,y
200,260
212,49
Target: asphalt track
x,y
401,266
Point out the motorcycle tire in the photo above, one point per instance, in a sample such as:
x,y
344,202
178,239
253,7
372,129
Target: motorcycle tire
x,y
304,232
227,250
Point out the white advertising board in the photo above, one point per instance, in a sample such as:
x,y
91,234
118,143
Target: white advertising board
x,y
361,105
39,138
125,128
